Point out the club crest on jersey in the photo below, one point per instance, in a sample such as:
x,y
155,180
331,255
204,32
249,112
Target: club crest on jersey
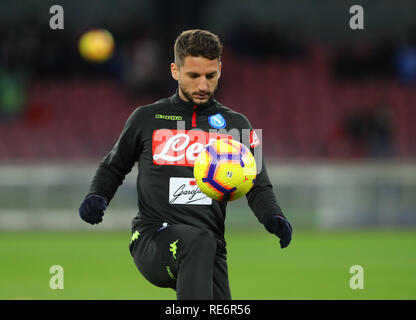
x,y
217,121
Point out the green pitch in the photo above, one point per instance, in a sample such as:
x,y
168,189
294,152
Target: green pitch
x,y
97,265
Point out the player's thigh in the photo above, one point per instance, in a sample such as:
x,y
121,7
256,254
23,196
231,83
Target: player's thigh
x,y
152,260
159,253
183,240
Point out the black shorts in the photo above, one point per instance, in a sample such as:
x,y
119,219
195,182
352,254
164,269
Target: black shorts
x,y
184,258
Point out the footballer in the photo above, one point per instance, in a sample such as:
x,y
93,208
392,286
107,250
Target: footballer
x,y
177,243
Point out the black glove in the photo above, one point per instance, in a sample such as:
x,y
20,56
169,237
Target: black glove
x,y
92,209
279,225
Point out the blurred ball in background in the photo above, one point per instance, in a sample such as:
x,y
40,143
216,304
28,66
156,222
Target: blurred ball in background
x,y
96,45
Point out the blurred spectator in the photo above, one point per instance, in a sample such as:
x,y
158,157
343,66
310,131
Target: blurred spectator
x,y
12,95
266,41
143,59
406,59
363,133
406,64
365,62
380,133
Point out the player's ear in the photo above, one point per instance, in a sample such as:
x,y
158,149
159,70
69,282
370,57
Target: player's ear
x,y
219,69
174,71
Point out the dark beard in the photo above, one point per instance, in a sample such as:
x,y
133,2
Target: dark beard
x,y
189,96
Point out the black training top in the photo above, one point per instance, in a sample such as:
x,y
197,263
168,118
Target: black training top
x,y
164,138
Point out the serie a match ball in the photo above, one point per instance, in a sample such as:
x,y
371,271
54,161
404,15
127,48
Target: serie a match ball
x,y
225,170
96,45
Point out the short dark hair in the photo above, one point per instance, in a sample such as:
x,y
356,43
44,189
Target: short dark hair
x,y
197,43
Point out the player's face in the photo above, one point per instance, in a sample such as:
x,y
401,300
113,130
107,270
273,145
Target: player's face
x,y
197,78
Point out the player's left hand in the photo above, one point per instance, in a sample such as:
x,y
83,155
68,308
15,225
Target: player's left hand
x,y
281,227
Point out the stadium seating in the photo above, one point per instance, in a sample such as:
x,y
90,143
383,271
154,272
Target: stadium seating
x,y
297,104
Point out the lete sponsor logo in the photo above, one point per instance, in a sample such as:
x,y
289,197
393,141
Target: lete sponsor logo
x,y
181,147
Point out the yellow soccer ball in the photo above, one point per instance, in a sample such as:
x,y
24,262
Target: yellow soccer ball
x,y
225,170
96,45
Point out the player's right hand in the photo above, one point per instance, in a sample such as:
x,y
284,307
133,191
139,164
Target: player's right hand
x,y
92,209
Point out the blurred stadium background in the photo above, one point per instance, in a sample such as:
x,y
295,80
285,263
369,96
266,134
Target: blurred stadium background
x,y
336,107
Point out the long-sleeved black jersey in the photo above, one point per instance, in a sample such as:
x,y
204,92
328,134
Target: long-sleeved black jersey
x,y
165,138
